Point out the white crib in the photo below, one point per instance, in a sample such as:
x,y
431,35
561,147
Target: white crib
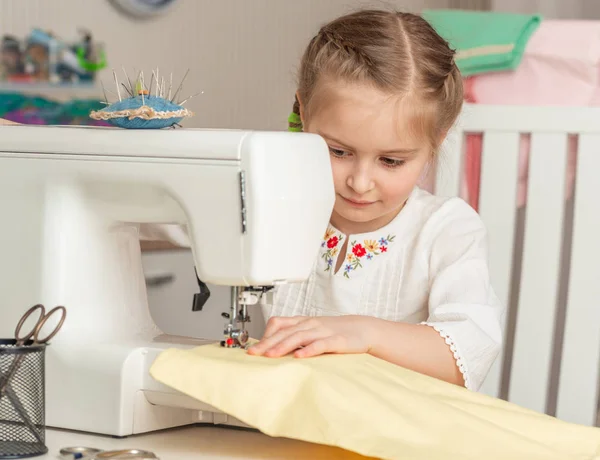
x,y
551,359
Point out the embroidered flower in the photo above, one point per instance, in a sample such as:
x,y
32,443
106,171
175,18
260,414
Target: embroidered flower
x,y
385,241
329,233
368,250
358,250
371,245
332,242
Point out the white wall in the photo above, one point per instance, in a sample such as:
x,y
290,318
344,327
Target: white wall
x,y
242,53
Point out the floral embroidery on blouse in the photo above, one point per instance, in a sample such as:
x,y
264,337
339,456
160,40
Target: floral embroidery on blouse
x,y
331,241
366,250
359,252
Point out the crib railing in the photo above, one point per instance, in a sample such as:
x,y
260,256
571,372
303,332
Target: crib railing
x,y
544,257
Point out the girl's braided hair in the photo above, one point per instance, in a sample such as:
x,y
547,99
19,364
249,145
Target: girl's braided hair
x,y
399,53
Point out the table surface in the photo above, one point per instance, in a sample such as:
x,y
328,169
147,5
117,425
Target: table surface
x,y
199,442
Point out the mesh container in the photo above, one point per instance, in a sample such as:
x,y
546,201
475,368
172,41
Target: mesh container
x,y
22,404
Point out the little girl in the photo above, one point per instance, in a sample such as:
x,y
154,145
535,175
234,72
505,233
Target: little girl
x,y
402,274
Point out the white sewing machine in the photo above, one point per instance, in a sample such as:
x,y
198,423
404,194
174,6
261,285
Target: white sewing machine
x,y
256,205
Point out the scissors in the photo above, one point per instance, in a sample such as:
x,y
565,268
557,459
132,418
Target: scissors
x,y
20,340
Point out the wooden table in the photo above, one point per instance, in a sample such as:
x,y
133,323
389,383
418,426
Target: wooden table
x,y
198,443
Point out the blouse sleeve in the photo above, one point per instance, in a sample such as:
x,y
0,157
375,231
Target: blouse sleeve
x,y
463,307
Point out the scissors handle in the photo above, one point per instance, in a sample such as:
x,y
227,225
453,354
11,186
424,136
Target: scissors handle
x,y
39,324
22,339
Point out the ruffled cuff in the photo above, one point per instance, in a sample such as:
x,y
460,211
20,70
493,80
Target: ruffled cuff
x,y
461,361
474,347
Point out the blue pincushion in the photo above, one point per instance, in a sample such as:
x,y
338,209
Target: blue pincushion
x,y
142,110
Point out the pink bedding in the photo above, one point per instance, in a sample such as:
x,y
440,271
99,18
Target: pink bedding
x,y
561,66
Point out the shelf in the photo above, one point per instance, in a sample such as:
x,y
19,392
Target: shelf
x,y
74,90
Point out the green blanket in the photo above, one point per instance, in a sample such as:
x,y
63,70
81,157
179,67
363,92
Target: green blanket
x,y
485,41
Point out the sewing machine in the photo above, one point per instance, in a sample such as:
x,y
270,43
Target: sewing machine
x,y
255,206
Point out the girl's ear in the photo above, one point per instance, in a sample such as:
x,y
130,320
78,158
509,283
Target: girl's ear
x,y
442,138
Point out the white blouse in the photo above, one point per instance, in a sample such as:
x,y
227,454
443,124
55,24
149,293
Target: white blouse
x,y
429,265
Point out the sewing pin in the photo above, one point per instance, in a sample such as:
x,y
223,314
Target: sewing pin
x,y
157,84
180,84
143,88
117,84
127,89
151,82
129,81
104,91
181,103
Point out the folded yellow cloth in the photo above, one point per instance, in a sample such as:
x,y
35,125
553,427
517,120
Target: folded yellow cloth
x,y
368,406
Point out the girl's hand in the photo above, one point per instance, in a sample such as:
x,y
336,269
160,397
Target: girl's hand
x,y
311,336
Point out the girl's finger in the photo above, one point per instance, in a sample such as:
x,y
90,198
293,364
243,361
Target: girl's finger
x,y
266,344
294,341
269,342
329,344
277,323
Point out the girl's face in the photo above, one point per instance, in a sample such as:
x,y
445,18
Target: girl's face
x,y
376,161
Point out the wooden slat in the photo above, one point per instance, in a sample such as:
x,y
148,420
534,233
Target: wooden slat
x,y
578,384
449,167
497,207
536,313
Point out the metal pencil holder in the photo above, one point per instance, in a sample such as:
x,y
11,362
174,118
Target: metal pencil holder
x,y
22,400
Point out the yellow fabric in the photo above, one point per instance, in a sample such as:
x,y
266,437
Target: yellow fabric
x,y
368,406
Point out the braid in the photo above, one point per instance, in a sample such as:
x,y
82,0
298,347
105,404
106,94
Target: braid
x,y
453,83
348,48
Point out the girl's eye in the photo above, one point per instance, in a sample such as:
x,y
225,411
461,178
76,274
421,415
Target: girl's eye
x,y
392,162
337,152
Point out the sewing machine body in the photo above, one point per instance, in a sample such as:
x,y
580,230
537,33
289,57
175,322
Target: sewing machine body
x,y
255,205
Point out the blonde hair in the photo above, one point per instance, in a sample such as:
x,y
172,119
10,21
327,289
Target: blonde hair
x,y
399,53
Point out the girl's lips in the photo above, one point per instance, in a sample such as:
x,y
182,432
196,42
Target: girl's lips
x,y
358,204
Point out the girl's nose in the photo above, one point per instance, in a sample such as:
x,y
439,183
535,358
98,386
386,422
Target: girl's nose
x,y
360,180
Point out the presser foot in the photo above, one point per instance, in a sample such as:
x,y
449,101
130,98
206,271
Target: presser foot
x,y
236,335
236,339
